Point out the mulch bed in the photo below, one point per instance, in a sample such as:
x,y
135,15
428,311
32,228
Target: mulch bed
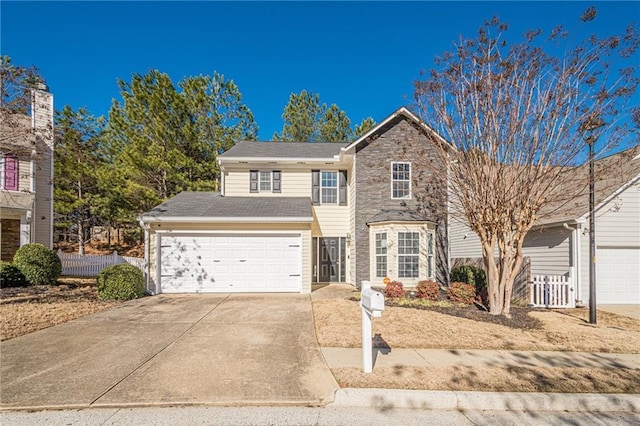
x,y
519,319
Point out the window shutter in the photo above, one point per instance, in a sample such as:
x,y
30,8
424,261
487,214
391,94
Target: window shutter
x,y
10,173
253,181
315,186
342,188
276,181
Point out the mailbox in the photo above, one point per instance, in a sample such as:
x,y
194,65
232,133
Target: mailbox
x,y
372,301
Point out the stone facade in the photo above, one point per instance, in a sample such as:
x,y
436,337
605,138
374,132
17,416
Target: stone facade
x,y
401,140
10,241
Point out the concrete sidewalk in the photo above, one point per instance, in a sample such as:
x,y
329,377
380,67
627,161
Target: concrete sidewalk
x,y
352,357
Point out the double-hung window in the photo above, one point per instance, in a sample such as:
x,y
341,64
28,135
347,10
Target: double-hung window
x,y
329,187
381,254
430,254
408,254
265,181
401,180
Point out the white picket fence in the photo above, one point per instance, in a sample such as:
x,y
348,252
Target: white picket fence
x,y
552,291
90,265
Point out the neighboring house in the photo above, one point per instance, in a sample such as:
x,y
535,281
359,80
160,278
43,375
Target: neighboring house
x,y
290,215
26,176
558,244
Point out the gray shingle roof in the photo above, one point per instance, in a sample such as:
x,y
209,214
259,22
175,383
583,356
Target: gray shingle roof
x,y
398,216
213,205
612,173
308,150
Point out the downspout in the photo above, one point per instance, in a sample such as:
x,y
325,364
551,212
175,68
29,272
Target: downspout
x,y
579,300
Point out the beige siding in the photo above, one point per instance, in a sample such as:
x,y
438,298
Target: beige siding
x,y
294,182
330,221
43,124
24,174
211,228
307,260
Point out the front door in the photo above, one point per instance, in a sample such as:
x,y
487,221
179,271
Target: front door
x,y
330,259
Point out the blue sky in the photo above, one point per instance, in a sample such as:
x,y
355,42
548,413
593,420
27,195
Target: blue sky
x,y
363,56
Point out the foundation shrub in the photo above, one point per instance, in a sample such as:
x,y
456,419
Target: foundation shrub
x,y
10,276
39,264
461,293
394,290
120,282
428,290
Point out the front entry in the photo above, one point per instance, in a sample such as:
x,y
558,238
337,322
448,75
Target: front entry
x,y
329,259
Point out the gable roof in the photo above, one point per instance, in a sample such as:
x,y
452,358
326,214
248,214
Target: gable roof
x,y
213,207
614,174
247,150
400,112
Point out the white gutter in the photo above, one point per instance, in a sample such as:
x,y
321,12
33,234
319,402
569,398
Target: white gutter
x,y
334,159
208,219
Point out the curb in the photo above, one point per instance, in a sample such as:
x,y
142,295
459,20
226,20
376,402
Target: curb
x,y
498,401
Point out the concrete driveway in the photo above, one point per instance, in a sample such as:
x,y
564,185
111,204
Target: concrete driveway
x,y
234,349
631,311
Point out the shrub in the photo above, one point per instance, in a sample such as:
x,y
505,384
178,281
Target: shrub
x,y
39,264
428,289
472,275
120,282
461,293
394,290
10,276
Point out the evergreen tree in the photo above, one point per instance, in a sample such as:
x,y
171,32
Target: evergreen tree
x,y
163,141
77,158
364,126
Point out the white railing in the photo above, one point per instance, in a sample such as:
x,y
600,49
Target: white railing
x,y
91,264
552,291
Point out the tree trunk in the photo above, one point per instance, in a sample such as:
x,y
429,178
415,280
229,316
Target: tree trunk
x,y
81,236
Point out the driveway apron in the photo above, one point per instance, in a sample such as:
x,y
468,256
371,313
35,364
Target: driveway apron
x,y
254,349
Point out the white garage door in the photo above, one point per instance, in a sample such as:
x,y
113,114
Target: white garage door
x,y
618,275
231,263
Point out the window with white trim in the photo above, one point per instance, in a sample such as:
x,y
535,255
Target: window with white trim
x,y
329,188
381,255
401,180
265,181
430,254
408,254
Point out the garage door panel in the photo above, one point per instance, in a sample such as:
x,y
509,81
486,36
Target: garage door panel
x,y
234,263
618,275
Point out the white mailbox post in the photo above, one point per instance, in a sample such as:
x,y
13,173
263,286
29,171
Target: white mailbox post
x,y
372,305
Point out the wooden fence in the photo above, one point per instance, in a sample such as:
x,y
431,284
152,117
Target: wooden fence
x,y
91,264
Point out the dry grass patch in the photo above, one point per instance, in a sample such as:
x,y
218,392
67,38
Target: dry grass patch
x,y
493,379
338,320
24,310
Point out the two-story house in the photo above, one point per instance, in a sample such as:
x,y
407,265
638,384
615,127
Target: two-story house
x,y
290,215
26,175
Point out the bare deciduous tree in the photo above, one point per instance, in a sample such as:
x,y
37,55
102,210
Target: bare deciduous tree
x,y
519,117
